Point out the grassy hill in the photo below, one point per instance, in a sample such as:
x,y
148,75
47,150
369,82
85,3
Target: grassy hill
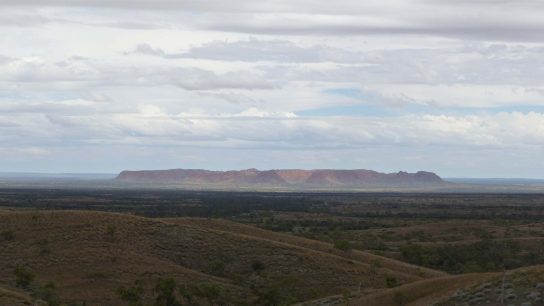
x,y
14,297
86,257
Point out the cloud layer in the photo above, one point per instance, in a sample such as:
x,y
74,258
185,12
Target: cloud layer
x,y
448,86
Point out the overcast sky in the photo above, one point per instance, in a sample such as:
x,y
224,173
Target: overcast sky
x,y
455,87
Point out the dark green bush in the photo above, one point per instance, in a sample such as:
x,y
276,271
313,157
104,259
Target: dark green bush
x,y
23,277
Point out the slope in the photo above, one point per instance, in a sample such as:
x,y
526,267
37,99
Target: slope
x,y
89,255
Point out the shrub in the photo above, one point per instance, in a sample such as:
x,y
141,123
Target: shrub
x,y
111,231
132,294
391,282
257,266
44,247
23,277
7,235
165,295
48,294
342,245
211,292
217,267
268,296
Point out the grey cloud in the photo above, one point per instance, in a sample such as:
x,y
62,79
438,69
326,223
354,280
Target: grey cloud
x,y
239,132
259,50
502,21
134,4
233,98
5,59
206,80
23,20
469,64
149,50
487,30
87,72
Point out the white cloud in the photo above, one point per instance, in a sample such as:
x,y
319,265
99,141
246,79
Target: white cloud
x,y
402,80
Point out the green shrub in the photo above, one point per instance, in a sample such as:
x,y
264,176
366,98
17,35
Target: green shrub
x,y
48,294
391,282
7,235
132,294
23,277
111,231
217,267
257,266
165,294
342,245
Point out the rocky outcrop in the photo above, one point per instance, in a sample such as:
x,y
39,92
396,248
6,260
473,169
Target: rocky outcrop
x,y
284,178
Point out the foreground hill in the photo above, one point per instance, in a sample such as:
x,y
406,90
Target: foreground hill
x,y
14,297
523,286
284,178
88,256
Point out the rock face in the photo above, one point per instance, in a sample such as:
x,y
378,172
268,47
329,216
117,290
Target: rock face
x,y
321,178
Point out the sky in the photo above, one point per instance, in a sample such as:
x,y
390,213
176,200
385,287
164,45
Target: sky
x,y
454,87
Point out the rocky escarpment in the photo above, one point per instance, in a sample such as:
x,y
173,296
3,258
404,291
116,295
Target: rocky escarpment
x,y
284,178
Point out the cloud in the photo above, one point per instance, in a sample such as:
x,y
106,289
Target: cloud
x,y
413,18
460,20
254,50
24,152
81,71
11,18
256,128
332,83
198,79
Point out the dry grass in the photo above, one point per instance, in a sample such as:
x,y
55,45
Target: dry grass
x,y
88,255
405,271
425,292
13,297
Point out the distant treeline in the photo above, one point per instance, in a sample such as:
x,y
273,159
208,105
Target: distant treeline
x,y
168,203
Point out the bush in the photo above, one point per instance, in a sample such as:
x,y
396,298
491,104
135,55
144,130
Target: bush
x,y
132,295
342,245
164,290
391,282
268,296
111,231
7,235
257,266
211,292
217,267
23,277
48,294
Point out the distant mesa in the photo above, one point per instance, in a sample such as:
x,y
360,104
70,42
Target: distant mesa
x,y
320,178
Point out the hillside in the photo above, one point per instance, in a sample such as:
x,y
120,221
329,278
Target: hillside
x,y
13,297
88,256
523,286
321,178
